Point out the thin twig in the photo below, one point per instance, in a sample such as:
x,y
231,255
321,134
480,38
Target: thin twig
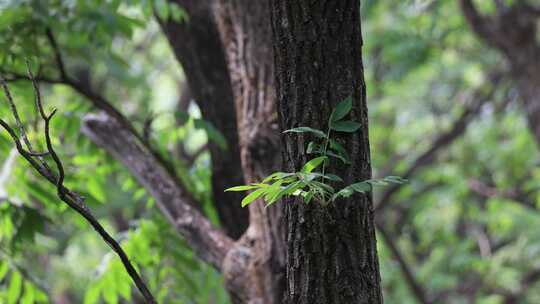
x,y
418,291
18,121
441,141
57,54
72,199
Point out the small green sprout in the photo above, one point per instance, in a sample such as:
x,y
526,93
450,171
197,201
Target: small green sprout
x,y
312,182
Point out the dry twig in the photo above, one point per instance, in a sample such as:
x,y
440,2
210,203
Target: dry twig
x,y
72,199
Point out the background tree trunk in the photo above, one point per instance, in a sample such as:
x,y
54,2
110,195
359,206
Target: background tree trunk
x,y
513,32
331,255
197,46
245,31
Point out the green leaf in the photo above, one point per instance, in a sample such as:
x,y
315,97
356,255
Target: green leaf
x,y
333,177
324,188
348,126
361,187
252,196
15,288
312,176
242,188
177,13
308,197
314,163
341,151
316,132
288,190
110,295
377,182
29,296
276,175
273,190
343,159
213,133
342,108
313,148
345,192
395,179
162,9
3,269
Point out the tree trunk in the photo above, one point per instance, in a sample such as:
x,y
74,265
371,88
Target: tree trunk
x,y
197,46
513,32
245,31
331,255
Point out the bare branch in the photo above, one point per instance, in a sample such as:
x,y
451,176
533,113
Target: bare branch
x,y
209,243
478,23
482,189
417,289
15,113
72,199
57,54
441,141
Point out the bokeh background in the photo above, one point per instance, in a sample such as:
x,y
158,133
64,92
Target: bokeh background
x,y
445,113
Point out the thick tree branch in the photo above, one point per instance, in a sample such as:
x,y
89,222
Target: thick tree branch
x,y
209,243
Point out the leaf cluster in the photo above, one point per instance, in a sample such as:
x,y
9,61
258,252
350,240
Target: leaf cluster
x,y
312,182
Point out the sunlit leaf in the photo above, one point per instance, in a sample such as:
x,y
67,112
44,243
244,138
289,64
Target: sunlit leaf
x,y
313,164
242,188
252,196
29,296
15,288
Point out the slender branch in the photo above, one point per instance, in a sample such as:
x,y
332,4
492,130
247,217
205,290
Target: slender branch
x,y
72,199
57,53
417,289
478,23
115,133
514,194
99,101
15,114
23,271
441,141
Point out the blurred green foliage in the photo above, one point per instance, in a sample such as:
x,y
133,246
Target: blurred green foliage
x,y
423,68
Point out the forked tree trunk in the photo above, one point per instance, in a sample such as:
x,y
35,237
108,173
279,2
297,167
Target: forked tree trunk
x,y
197,46
331,251
245,31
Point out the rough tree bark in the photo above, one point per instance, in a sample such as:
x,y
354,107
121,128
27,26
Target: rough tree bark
x,y
513,32
197,46
245,31
331,255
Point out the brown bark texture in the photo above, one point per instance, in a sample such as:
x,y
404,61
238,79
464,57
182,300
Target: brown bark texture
x,y
245,31
331,251
197,46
